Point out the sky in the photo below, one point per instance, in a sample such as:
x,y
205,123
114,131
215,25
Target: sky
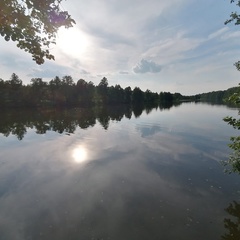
x,y
161,45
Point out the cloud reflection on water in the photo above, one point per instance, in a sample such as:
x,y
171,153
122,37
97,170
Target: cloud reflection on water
x,y
133,189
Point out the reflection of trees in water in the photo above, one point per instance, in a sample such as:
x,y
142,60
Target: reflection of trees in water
x,y
17,121
168,105
19,130
150,107
232,224
137,110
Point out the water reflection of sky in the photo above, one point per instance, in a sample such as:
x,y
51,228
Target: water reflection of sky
x,y
154,177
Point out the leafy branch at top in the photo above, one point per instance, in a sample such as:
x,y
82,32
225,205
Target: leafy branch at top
x,y
33,24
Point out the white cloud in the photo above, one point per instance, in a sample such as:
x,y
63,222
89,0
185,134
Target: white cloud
x,y
231,36
218,33
118,30
146,66
84,72
173,49
45,73
123,72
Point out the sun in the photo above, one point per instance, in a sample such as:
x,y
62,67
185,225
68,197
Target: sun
x,y
79,154
73,42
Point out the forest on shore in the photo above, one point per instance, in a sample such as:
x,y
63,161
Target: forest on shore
x,y
64,92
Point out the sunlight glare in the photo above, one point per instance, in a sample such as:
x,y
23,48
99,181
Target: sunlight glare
x,y
72,42
79,155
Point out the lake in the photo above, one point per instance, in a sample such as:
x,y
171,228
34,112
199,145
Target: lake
x,y
117,173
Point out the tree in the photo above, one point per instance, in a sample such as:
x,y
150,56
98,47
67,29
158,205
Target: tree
x,y
39,91
137,96
55,83
67,89
235,17
116,94
128,94
165,97
37,83
33,24
15,81
234,160
103,89
151,97
103,83
85,92
67,80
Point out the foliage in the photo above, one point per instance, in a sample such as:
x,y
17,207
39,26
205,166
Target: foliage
x,y
166,96
235,18
33,25
234,160
103,90
65,92
137,96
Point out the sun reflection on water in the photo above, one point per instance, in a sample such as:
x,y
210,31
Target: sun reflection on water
x,y
79,154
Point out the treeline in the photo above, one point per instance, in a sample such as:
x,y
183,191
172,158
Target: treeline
x,y
65,92
221,96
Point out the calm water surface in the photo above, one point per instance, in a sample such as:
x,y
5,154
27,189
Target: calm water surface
x,y
135,175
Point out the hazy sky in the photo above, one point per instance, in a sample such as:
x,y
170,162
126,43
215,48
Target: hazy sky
x,y
162,45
